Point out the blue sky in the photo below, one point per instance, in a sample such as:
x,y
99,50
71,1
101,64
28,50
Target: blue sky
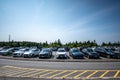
x,y
67,20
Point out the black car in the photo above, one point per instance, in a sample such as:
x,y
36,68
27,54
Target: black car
x,y
90,53
75,53
105,52
45,53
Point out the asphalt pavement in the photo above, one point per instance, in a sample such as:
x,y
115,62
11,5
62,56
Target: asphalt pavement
x,y
62,65
13,72
45,70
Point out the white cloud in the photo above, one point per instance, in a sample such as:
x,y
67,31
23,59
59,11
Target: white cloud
x,y
89,18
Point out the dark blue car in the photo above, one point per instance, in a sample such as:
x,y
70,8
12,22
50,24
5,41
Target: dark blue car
x,y
75,53
90,53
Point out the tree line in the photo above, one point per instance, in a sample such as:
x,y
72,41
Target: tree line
x,y
56,43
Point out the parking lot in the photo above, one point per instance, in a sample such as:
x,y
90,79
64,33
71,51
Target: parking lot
x,y
53,58
12,71
53,68
72,54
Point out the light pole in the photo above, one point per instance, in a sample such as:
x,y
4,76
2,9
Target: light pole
x,y
9,37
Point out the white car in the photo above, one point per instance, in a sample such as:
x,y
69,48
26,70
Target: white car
x,y
20,52
32,53
61,54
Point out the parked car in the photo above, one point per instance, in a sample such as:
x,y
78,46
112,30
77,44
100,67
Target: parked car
x,y
61,54
55,48
75,53
20,52
1,48
6,52
32,53
116,50
105,52
115,54
45,53
90,53
67,48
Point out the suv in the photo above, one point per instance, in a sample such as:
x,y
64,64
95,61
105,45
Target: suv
x,y
45,53
61,54
75,53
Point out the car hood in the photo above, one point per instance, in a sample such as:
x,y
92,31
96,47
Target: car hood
x,y
19,52
77,53
93,53
44,53
3,51
27,53
61,52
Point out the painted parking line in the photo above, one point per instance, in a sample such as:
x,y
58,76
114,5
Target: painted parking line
x,y
79,74
28,73
68,74
116,74
110,74
48,73
58,74
13,71
91,74
7,71
18,74
36,75
104,74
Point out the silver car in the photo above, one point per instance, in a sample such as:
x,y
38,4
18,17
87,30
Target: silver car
x,y
32,53
20,52
45,53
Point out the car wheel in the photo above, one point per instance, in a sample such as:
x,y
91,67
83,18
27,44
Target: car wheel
x,y
88,57
108,56
49,55
32,55
21,55
13,56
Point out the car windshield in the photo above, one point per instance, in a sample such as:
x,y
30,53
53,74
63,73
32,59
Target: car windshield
x,y
37,50
21,50
31,51
89,50
75,50
9,49
46,50
26,49
61,50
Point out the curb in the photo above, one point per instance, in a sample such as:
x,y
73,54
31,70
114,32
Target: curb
x,y
61,60
28,78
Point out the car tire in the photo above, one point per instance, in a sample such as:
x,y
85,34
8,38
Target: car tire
x,y
24,56
88,57
32,55
108,56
